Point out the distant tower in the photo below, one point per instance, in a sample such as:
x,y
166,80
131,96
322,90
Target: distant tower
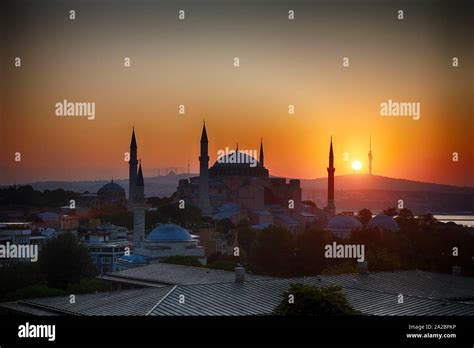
x,y
139,209
330,208
370,155
204,202
262,158
133,168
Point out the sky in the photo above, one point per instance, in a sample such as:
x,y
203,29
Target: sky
x,y
283,62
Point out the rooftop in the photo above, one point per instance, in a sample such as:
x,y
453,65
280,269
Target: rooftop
x,y
165,273
373,294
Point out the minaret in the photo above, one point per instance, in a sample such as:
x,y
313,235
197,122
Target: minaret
x,y
330,208
370,155
139,209
262,158
132,177
204,202
139,185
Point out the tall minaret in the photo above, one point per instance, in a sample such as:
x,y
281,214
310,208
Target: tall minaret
x,y
204,202
330,208
262,158
139,209
132,177
370,155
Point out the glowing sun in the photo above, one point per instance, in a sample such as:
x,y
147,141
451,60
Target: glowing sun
x,y
356,165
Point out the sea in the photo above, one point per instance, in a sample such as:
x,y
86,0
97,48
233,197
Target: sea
x,y
464,220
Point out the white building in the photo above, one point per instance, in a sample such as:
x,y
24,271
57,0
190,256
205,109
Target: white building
x,y
167,240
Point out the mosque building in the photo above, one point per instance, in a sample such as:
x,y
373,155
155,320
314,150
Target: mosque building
x,y
238,185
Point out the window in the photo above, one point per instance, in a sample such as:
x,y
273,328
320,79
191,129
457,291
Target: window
x,y
94,259
105,259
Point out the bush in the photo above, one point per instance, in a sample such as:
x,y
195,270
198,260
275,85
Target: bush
x,y
183,260
314,301
34,291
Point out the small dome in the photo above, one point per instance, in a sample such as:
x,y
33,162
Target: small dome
x,y
169,233
383,222
133,259
111,186
344,222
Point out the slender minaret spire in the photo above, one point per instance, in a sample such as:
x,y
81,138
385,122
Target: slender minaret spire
x,y
133,168
204,202
330,208
139,209
140,184
262,158
237,147
370,155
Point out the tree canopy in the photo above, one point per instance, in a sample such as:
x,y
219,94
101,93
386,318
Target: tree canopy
x,y
307,300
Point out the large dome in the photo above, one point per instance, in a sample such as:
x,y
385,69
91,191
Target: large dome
x,y
344,223
111,188
237,163
169,233
383,222
240,159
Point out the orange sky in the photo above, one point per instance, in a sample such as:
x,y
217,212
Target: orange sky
x,y
190,63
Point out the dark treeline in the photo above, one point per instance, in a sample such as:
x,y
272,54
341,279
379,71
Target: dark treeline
x,y
28,196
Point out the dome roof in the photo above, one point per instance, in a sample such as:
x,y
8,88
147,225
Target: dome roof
x,y
133,259
169,233
111,186
233,159
238,163
344,222
383,222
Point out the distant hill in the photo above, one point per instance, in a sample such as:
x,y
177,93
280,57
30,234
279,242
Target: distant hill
x,y
376,182
154,186
353,192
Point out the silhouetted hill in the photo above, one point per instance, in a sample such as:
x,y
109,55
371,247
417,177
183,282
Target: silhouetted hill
x,y
353,192
154,186
376,182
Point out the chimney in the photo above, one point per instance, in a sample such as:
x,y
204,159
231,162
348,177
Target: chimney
x,y
239,274
457,271
363,267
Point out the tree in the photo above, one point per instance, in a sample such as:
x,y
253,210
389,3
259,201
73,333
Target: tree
x,y
183,260
224,225
272,252
314,301
189,216
382,260
364,216
405,214
390,211
65,261
310,258
246,237
427,219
